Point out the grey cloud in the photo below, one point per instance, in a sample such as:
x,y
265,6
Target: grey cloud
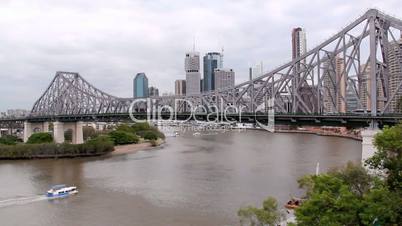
x,y
109,41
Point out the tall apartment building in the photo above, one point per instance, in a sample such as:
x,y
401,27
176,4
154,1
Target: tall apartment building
x,y
299,47
395,75
342,78
334,99
212,61
193,76
153,91
352,102
365,89
180,87
224,78
329,80
140,86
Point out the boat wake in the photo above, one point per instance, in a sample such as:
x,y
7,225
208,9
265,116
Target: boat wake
x,y
22,200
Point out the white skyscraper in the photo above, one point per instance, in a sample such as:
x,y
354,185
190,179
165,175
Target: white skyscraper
x,y
193,76
224,78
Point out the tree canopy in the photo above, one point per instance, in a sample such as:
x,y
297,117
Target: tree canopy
x,y
350,195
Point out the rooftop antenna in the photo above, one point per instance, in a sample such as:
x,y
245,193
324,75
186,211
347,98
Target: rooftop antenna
x,y
223,50
194,43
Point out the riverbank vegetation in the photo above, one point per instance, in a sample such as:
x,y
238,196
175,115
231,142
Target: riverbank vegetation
x,y
8,140
93,147
41,145
133,134
351,195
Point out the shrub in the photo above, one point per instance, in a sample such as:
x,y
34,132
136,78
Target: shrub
x,y
140,126
8,140
154,143
125,128
121,137
158,132
98,146
88,132
40,138
150,135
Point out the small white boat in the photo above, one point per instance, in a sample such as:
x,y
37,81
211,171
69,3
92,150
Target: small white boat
x,y
196,134
61,190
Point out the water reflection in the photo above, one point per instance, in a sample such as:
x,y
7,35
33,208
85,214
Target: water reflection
x,y
199,180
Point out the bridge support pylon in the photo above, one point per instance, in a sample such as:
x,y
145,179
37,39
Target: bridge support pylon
x,y
76,130
58,132
27,130
368,148
30,128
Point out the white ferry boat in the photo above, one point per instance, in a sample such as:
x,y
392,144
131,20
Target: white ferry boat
x,y
61,190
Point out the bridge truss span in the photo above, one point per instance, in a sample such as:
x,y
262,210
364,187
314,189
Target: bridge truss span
x,y
363,61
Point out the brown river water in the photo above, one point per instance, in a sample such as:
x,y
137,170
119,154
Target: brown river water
x,y
190,180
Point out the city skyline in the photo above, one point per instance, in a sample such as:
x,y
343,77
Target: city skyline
x,y
107,59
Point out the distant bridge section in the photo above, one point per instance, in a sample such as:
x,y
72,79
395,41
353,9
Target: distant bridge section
x,y
363,61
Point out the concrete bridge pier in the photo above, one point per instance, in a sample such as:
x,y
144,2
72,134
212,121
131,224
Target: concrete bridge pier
x,y
77,132
58,132
30,128
368,148
75,127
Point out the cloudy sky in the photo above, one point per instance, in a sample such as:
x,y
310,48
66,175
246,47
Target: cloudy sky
x,y
108,42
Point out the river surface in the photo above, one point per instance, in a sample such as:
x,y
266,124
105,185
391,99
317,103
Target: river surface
x,y
191,180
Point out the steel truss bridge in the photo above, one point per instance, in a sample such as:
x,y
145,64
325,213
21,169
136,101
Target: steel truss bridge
x,y
311,87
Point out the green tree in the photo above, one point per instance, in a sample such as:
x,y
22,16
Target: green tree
x,y
140,126
388,157
269,214
40,138
150,135
8,140
88,132
121,137
348,196
125,128
382,207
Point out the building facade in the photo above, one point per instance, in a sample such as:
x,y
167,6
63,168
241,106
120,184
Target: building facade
x,y
342,78
352,101
299,47
153,91
334,86
395,75
193,76
140,86
365,89
212,61
224,78
180,87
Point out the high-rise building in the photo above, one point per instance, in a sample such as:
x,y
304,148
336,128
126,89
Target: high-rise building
x,y
153,91
395,75
299,47
140,86
212,61
341,77
224,78
180,87
329,97
193,76
334,76
299,42
365,89
351,97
